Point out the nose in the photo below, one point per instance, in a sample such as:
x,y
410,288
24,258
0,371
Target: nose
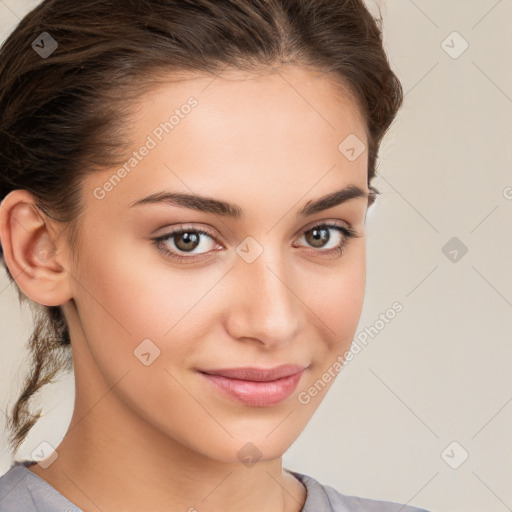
x,y
263,305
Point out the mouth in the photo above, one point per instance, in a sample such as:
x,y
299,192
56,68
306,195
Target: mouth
x,y
258,387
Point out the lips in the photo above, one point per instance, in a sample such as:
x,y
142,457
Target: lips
x,y
257,374
255,386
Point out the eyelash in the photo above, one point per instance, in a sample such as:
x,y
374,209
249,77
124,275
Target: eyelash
x,y
333,252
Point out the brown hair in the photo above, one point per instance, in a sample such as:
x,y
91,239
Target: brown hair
x,y
64,115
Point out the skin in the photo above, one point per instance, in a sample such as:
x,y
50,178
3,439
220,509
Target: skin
x,y
269,143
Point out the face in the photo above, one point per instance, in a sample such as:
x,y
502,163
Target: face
x,y
168,294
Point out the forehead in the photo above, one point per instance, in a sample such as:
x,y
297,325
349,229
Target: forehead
x,y
268,96
275,132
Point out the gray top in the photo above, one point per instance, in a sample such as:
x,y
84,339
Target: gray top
x,y
24,491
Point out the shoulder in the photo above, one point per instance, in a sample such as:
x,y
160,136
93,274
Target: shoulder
x,y
324,498
20,489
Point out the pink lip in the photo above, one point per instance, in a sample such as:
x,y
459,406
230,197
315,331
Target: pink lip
x,y
256,386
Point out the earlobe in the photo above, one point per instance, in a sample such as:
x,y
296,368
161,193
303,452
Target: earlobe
x,y
30,252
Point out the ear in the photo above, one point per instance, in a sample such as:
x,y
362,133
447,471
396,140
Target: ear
x,y
34,258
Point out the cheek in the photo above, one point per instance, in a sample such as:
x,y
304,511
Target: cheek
x,y
126,295
345,301
339,298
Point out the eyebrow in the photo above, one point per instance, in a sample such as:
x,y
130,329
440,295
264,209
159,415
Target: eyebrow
x,y
225,209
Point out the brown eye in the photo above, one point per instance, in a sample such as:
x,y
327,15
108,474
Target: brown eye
x,y
186,240
318,236
182,244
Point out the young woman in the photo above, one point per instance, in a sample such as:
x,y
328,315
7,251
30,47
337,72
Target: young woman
x,y
184,189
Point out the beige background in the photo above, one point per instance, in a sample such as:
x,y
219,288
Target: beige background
x,y
439,372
